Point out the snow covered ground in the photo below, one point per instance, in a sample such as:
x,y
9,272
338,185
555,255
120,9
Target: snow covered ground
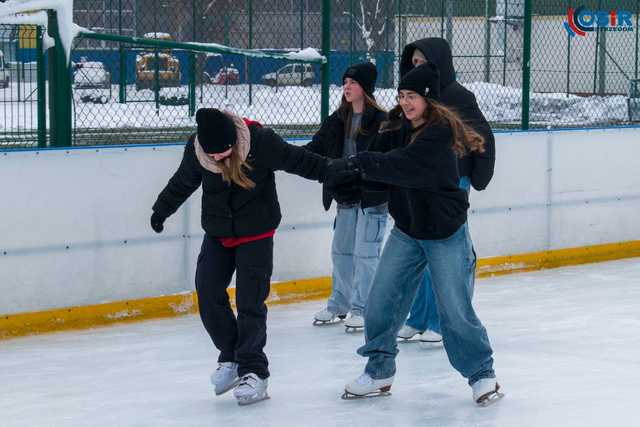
x,y
566,346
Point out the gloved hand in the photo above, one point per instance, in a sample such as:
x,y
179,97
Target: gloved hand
x,y
157,222
342,171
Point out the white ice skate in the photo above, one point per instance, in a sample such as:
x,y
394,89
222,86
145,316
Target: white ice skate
x,y
325,317
225,377
251,389
407,332
354,323
365,386
430,336
485,392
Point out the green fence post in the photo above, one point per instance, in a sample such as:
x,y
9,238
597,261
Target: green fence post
x,y
637,29
122,75
41,89
326,51
487,43
59,88
156,77
568,56
526,65
192,83
248,60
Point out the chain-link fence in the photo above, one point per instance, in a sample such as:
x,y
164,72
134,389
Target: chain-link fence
x,y
573,81
19,94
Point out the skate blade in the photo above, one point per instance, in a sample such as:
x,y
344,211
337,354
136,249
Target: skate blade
x,y
490,398
251,401
350,329
338,319
230,387
383,392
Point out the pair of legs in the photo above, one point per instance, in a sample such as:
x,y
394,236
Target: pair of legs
x,y
242,339
355,252
424,312
402,264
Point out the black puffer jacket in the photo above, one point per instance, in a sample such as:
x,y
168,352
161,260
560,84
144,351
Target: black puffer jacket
x,y
229,210
329,142
477,166
424,197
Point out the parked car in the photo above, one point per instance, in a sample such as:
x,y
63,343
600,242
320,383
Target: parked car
x,y
167,65
292,74
91,75
227,75
4,73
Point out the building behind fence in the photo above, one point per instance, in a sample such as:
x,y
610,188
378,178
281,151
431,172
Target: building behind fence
x,y
126,93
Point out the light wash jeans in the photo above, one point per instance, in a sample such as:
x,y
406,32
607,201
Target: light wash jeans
x,y
424,313
355,252
452,264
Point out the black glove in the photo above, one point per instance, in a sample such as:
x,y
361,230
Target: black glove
x,y
157,222
342,171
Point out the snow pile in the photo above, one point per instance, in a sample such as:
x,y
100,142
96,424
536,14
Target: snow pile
x,y
308,54
23,10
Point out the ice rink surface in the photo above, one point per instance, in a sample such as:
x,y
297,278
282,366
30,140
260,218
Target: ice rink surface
x,y
566,342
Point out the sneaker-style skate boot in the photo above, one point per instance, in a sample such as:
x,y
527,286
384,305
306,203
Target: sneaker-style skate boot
x,y
365,386
225,377
430,336
407,332
325,317
251,389
485,391
354,323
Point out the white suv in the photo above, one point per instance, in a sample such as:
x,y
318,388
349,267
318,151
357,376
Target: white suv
x,y
4,73
292,74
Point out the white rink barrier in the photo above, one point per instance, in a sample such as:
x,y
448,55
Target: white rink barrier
x,y
74,225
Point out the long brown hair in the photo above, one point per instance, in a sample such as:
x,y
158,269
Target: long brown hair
x,y
345,110
465,139
236,171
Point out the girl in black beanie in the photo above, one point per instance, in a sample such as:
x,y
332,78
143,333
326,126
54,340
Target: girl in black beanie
x,y
359,225
234,160
416,157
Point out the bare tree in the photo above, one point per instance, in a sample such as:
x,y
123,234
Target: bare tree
x,y
372,24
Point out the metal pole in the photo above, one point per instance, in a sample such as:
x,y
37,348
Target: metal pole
x,y
635,73
302,37
122,79
156,86
568,57
450,23
442,19
192,83
59,87
194,20
248,60
602,63
41,91
326,51
504,44
526,65
351,42
487,43
595,58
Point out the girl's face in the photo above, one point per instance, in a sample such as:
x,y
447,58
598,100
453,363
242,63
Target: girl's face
x,y
352,90
413,105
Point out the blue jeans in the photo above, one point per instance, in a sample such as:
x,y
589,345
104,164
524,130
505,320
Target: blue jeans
x,y
424,313
355,252
452,264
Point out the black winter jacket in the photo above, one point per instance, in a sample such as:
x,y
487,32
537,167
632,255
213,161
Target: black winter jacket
x,y
329,142
229,210
477,166
424,197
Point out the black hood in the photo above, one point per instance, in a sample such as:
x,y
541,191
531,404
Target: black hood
x,y
436,50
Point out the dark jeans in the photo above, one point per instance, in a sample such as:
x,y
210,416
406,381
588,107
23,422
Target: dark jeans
x,y
240,340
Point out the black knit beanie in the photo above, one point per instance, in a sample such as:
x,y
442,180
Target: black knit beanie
x,y
424,80
365,74
216,131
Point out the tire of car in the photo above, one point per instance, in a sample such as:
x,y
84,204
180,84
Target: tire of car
x,y
307,82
